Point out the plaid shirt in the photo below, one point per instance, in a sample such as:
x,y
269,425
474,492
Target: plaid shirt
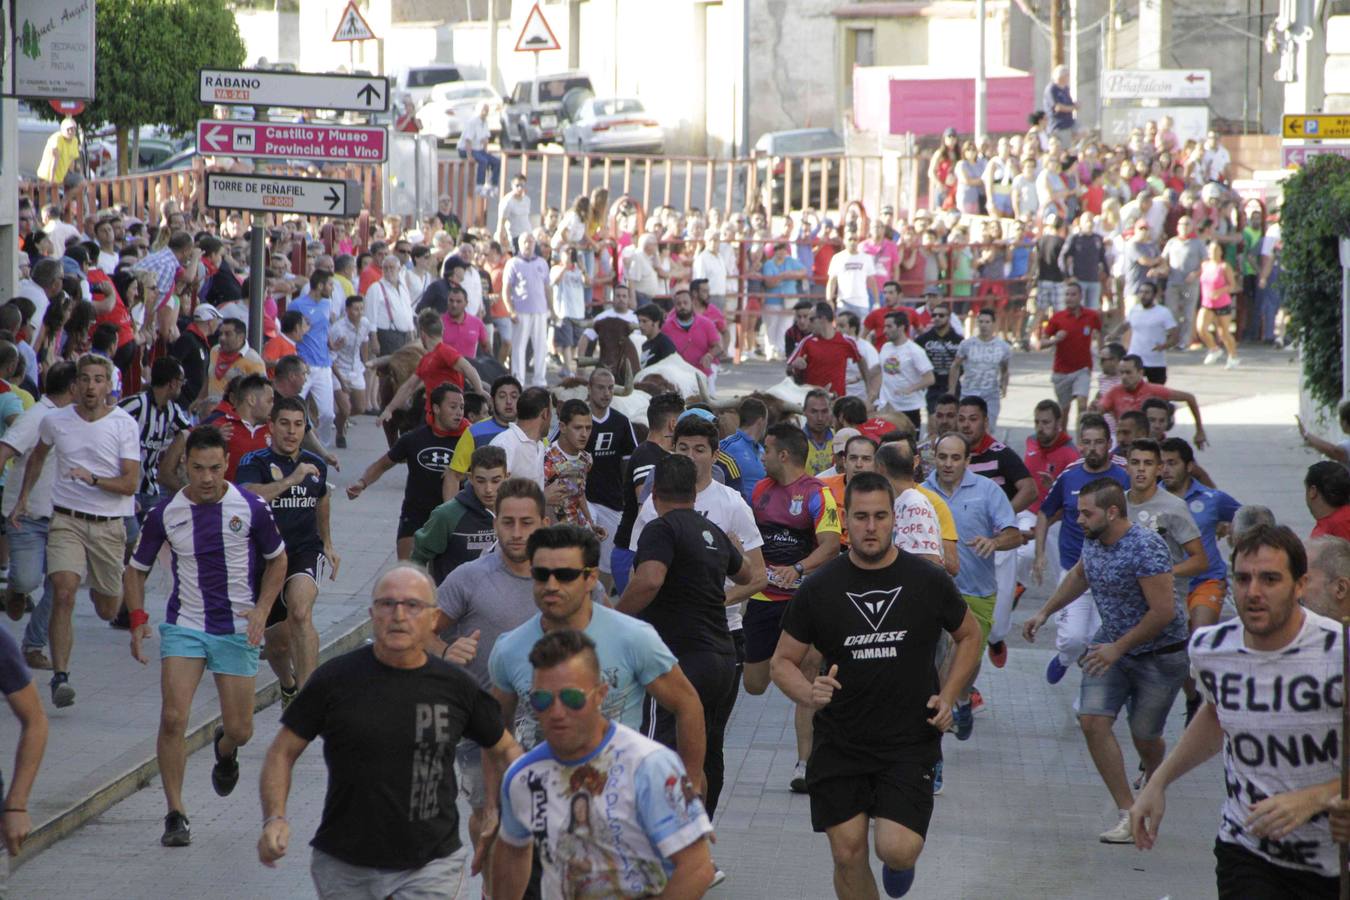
x,y
164,266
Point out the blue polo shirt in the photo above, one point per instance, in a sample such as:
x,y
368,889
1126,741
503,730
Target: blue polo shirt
x,y
313,347
980,509
1063,497
1209,507
749,457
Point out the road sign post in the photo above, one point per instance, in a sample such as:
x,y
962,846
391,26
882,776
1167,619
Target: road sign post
x,y
249,87
284,194
277,140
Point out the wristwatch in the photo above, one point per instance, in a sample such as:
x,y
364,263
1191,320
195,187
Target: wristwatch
x,y
799,569
93,480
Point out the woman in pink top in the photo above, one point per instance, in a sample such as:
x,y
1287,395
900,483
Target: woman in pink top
x,y
1216,305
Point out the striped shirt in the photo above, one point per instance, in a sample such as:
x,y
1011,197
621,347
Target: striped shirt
x,y
217,550
158,428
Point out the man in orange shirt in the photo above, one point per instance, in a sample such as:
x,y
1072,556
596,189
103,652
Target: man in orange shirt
x,y
1133,390
293,328
859,453
1327,492
374,271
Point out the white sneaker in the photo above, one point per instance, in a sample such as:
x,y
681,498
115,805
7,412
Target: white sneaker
x,y
1233,363
798,783
718,877
1121,834
1212,357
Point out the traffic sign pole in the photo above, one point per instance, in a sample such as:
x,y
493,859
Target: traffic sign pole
x,y
257,269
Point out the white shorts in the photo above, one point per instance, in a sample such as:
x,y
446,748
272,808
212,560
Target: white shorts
x,y
355,379
607,519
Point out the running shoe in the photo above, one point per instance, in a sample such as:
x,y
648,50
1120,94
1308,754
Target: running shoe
x,y
976,700
15,605
121,621
1213,356
342,442
1193,706
798,783
63,694
718,877
1121,833
177,832
1233,363
36,659
998,654
1142,778
288,696
963,721
1056,671
1017,594
937,778
225,773
897,882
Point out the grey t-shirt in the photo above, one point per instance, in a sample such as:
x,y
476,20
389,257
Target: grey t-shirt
x,y
1136,272
1183,258
484,596
982,365
1167,515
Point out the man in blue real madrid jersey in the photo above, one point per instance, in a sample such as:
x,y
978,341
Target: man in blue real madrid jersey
x,y
294,483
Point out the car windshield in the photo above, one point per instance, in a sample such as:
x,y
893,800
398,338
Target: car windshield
x,y
419,78
806,142
553,91
616,107
473,93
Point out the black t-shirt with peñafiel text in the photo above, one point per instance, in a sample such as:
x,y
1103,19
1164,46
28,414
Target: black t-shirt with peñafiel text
x,y
881,627
689,611
389,739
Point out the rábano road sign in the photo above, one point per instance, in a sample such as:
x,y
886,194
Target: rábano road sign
x,y
334,143
283,194
249,87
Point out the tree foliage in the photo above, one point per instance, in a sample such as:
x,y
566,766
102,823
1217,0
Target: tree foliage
x,y
1314,216
148,54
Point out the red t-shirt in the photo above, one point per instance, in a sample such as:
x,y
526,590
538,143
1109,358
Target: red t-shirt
x,y
118,315
875,322
874,428
1075,351
436,368
243,440
820,268
827,361
1119,401
1336,524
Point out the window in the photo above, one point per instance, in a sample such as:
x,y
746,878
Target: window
x,y
864,47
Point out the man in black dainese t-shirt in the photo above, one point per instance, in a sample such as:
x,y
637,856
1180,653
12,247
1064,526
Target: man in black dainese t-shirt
x,y
679,573
390,717
662,412
875,615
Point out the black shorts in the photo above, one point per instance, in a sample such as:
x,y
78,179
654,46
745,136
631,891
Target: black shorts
x,y
1155,374
1222,312
1242,875
410,520
307,563
901,792
762,623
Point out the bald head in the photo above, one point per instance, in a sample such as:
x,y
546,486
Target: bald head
x,y
406,578
1328,589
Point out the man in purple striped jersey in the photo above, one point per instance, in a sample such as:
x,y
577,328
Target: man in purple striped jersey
x,y
229,563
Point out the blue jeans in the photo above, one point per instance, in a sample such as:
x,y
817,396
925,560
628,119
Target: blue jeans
x,y
1268,306
1092,294
1145,686
28,571
485,162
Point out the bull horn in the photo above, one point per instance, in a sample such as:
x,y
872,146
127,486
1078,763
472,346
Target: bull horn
x,y
793,409
720,405
627,388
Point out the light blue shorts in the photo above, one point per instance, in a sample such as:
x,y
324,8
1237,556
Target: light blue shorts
x,y
225,654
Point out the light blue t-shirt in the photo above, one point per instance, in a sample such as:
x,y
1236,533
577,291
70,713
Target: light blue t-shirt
x,y
608,823
631,654
313,347
980,509
789,287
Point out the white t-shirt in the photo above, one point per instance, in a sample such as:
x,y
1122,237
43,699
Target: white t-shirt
x,y
709,265
1148,329
1213,162
515,212
347,358
107,261
29,288
850,271
726,509
22,435
854,386
524,456
916,525
96,446
902,365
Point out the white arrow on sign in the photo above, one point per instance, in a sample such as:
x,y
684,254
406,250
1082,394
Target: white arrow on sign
x,y
214,138
283,194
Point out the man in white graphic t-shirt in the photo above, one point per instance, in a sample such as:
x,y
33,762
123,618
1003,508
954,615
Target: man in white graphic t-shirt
x,y
853,280
916,522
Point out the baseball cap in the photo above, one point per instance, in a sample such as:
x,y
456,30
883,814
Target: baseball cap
x,y
699,413
949,131
843,436
205,312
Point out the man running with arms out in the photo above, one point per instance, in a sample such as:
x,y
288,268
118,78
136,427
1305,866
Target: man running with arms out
x,y
614,813
799,522
98,472
875,615
218,537
1137,659
1133,390
294,483
390,716
1273,840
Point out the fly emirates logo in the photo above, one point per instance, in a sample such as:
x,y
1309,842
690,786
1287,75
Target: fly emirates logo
x,y
873,606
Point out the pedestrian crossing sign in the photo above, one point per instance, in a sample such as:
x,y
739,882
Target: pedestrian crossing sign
x,y
353,26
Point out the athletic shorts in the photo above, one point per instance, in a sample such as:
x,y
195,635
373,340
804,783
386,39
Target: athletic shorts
x,y
225,654
1222,312
300,564
1242,875
901,792
762,625
1209,594
88,549
410,520
982,608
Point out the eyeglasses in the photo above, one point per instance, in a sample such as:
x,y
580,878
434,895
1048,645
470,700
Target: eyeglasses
x,y
390,604
564,575
572,698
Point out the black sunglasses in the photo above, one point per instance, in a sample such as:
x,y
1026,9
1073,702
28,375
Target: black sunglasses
x,y
564,575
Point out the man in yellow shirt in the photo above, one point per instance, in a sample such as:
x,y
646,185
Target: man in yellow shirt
x,y
59,156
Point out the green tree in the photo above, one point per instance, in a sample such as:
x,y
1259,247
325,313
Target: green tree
x,y
148,54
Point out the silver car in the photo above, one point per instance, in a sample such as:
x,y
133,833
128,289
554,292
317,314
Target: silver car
x,y
611,125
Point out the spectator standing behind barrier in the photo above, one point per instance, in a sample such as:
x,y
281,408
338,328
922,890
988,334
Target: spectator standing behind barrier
x,y
1059,105
783,277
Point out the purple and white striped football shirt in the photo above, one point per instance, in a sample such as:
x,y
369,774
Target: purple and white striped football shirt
x,y
217,551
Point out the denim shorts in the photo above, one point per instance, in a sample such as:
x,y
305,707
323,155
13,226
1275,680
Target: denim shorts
x,y
1145,686
225,654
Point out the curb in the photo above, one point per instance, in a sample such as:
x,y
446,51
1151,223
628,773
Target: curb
x,y
351,633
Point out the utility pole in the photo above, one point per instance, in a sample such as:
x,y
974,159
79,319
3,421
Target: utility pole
x,y
1056,33
981,80
492,43
1111,14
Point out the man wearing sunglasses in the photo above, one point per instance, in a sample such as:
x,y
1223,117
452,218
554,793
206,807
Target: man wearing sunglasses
x,y
637,665
615,813
390,716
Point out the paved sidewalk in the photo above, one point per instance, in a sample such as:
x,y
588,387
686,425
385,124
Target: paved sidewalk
x,y
1019,816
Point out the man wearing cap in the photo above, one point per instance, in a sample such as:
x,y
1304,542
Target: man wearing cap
x,y
59,156
193,351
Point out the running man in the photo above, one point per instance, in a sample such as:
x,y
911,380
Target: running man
x,y
294,483
610,444
1273,841
875,615
217,535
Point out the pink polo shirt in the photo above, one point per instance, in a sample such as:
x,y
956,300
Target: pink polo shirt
x,y
695,341
466,336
